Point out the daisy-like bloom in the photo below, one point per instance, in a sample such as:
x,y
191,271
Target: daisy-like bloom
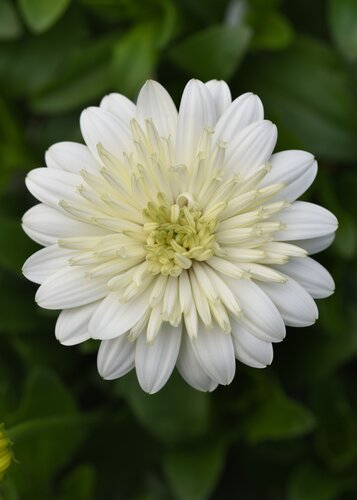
x,y
175,237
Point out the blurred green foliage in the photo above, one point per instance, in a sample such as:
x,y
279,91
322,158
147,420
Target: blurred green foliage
x,y
289,432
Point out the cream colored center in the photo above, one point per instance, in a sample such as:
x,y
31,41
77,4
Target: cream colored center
x,y
177,234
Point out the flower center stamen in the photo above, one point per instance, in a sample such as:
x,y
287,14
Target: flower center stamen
x,y
177,234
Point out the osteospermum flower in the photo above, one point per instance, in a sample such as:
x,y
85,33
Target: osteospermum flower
x,y
175,237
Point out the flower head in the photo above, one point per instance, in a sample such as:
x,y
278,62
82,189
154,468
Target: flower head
x,y
175,237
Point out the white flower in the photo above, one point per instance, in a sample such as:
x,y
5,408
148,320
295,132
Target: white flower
x,y
175,237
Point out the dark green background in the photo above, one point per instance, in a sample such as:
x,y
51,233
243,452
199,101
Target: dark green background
x,y
287,432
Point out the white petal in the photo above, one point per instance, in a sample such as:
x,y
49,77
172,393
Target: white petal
x,y
113,318
170,302
304,220
315,245
258,310
46,225
296,169
45,262
154,102
197,111
154,361
214,350
190,368
243,111
311,275
51,185
72,324
251,148
244,357
71,157
69,288
101,127
185,293
221,95
38,237
229,300
116,357
249,349
120,106
294,303
200,300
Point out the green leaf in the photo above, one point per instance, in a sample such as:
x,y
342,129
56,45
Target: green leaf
x,y
168,25
44,396
174,414
307,92
134,59
31,64
274,415
346,237
73,94
334,347
309,482
84,79
336,436
342,16
272,32
9,127
209,11
279,418
225,46
42,447
10,26
345,243
79,484
17,298
124,11
265,5
40,15
8,490
13,153
47,429
193,473
15,245
347,190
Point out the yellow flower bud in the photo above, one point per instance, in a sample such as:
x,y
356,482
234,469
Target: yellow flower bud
x,y
5,452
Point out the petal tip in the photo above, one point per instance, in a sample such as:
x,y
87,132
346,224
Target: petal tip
x,y
150,387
